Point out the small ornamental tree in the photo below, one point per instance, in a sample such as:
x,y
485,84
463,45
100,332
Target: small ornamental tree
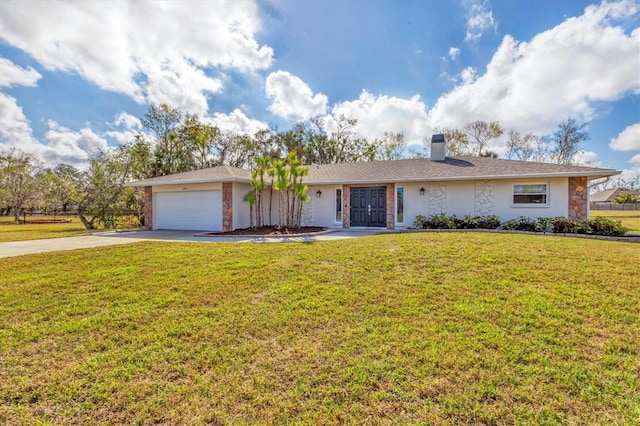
x,y
286,178
626,198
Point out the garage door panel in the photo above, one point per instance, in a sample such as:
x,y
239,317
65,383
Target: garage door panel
x,y
196,210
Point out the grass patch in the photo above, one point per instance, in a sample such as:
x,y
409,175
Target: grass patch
x,y
630,219
413,328
12,231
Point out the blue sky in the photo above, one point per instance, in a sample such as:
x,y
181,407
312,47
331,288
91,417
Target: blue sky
x,y
76,76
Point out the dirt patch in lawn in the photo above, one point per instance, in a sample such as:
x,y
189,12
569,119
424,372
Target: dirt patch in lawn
x,y
271,231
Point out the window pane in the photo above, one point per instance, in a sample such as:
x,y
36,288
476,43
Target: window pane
x,y
530,189
400,205
530,194
530,199
338,205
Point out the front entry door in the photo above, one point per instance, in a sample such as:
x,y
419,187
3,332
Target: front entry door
x,y
369,207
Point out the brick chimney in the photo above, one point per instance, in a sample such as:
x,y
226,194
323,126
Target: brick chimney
x,y
438,149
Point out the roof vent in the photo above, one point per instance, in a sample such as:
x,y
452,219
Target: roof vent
x,y
438,151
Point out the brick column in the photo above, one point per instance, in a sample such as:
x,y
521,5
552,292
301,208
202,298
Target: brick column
x,y
391,206
148,208
346,206
578,198
227,206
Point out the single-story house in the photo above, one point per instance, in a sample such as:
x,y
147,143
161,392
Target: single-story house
x,y
387,194
608,195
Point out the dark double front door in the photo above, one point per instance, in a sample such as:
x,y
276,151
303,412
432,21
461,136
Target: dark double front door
x,y
369,206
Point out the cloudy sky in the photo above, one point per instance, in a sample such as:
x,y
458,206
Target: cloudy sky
x,y
76,76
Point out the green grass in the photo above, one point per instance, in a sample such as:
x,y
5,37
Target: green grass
x,y
433,328
12,231
630,219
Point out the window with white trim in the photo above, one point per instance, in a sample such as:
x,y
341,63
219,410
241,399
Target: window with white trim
x,y
399,204
531,194
338,216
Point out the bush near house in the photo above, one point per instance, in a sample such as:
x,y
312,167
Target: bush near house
x,y
442,221
558,225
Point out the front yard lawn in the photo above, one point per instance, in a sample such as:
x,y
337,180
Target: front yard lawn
x,y
12,231
431,328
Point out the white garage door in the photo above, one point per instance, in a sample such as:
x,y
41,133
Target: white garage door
x,y
198,210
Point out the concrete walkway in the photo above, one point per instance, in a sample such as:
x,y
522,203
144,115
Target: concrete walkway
x,y
110,238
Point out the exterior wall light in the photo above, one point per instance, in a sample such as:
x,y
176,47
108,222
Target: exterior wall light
x,y
422,191
318,193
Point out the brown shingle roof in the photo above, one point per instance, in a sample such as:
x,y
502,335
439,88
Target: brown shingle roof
x,y
213,174
418,169
453,168
609,194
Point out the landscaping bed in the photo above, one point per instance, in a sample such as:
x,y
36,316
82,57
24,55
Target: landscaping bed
x,y
270,231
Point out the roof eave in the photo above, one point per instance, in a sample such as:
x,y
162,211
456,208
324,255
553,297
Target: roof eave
x,y
589,175
142,183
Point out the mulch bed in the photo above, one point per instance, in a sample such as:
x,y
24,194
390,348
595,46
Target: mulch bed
x,y
271,231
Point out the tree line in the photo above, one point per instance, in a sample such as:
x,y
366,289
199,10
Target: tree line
x,y
175,142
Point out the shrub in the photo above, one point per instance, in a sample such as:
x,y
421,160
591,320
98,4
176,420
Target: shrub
x,y
442,221
510,225
605,226
490,222
480,222
471,222
420,222
562,225
544,224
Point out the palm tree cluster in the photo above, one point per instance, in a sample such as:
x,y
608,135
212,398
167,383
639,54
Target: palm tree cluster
x,y
284,176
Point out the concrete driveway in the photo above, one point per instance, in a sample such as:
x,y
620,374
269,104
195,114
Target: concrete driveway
x,y
110,238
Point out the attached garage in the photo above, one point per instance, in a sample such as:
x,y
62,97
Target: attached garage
x,y
188,210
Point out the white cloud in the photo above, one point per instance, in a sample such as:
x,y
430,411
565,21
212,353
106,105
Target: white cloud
x,y
587,158
62,145
454,53
627,140
531,86
167,82
379,114
67,146
127,126
127,120
479,18
14,75
15,129
632,173
236,122
468,75
151,51
292,97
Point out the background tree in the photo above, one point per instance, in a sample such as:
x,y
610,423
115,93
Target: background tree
x,y
171,154
480,133
59,187
20,187
566,141
626,198
457,141
527,147
391,146
104,198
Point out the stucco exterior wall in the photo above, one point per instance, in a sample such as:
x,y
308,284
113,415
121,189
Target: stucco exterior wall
x,y
240,207
324,207
475,198
478,197
558,203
